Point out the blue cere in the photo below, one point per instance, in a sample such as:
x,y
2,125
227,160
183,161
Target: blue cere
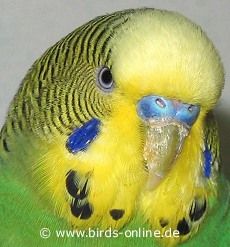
x,y
207,162
159,107
81,137
155,106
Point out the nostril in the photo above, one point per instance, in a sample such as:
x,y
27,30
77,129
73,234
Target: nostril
x,y
191,108
160,102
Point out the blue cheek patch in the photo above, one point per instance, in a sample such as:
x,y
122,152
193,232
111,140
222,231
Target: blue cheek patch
x,y
81,137
207,162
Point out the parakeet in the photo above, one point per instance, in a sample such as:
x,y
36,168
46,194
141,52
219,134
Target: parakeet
x,y
112,129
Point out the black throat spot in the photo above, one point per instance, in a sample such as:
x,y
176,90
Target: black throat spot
x,y
117,214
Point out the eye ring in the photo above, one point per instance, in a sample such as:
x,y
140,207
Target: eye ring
x,y
104,79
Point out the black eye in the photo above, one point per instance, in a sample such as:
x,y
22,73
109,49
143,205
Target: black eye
x,y
105,79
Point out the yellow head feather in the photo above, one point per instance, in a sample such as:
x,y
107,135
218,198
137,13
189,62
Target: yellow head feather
x,y
164,53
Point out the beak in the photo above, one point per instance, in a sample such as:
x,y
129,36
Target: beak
x,y
168,123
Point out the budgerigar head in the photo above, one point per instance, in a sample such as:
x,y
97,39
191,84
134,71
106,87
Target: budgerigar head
x,y
165,77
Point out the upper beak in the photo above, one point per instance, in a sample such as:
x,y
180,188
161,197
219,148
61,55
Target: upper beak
x,y
168,123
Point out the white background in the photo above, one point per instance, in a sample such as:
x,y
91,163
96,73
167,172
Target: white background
x,y
29,27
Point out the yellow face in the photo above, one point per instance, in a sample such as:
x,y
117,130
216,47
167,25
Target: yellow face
x,y
164,55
